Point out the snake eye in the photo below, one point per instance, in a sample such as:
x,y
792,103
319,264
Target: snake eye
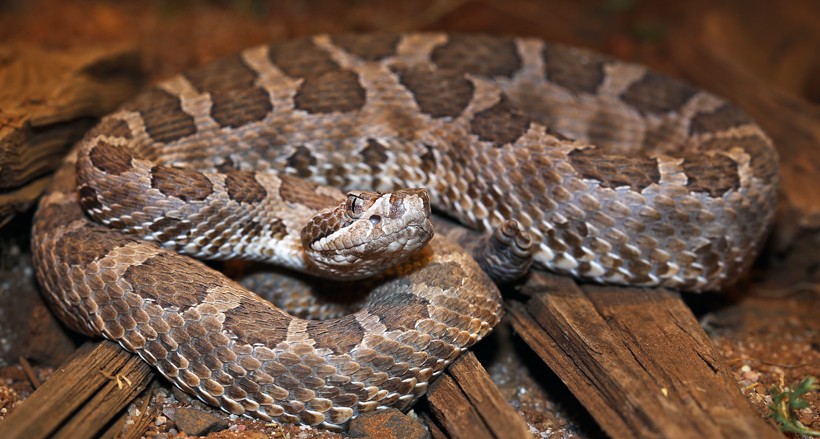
x,y
375,219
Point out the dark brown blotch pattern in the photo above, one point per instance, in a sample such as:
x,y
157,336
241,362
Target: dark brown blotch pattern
x,y
723,118
235,108
351,332
325,87
333,91
657,94
413,308
577,71
482,55
614,171
374,154
428,160
298,191
85,245
371,47
231,84
339,335
277,227
437,93
500,124
271,329
711,174
89,199
162,113
184,184
320,226
300,58
243,187
301,160
171,281
111,159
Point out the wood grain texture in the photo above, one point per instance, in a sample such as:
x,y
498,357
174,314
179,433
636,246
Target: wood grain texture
x,y
636,359
467,404
121,429
79,399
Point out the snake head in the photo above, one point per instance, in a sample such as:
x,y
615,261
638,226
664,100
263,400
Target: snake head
x,y
368,233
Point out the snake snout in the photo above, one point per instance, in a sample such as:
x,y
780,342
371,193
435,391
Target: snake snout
x,y
418,198
369,232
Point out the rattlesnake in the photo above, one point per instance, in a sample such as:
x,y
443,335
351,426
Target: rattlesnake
x,y
618,175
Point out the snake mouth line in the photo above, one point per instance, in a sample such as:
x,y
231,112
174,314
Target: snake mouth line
x,y
423,227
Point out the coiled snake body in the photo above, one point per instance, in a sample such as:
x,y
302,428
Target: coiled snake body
x,y
618,174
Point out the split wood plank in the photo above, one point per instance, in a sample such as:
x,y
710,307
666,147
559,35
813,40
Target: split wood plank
x,y
121,429
467,404
82,396
636,359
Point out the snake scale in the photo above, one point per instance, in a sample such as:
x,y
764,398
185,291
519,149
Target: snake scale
x,y
618,174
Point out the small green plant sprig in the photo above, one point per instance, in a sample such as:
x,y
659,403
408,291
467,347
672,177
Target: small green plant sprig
x,y
786,402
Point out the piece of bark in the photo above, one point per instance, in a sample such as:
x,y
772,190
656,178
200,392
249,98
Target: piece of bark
x,y
467,404
636,359
48,99
81,397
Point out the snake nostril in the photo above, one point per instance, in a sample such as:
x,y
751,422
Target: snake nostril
x,y
375,219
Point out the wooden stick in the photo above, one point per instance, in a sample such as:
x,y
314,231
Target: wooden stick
x,y
32,377
81,397
467,404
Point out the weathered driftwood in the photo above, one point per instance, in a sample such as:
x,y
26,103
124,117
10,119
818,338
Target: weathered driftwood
x,y
467,404
636,359
48,99
81,397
